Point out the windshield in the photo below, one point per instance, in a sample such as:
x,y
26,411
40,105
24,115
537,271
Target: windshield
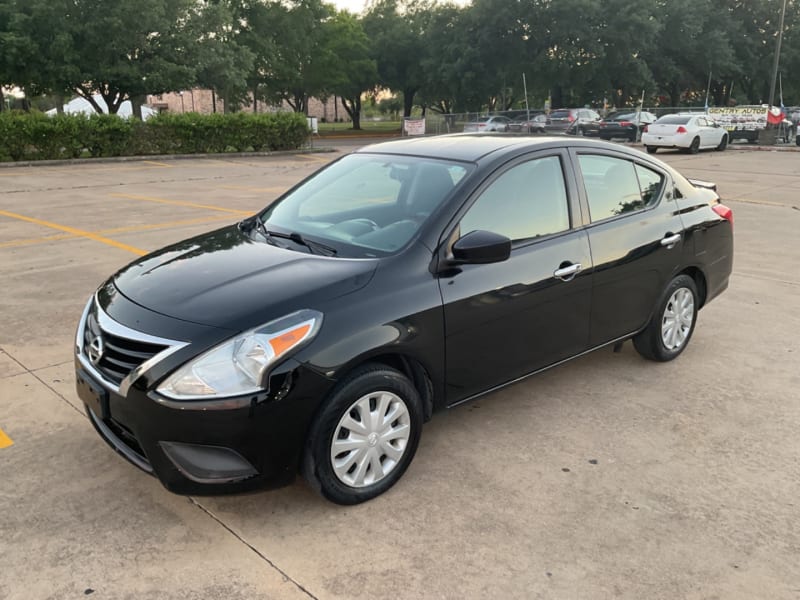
x,y
366,205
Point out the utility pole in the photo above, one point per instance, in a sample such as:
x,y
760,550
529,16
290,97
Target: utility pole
x,y
777,57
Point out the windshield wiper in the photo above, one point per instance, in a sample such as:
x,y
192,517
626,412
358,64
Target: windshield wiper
x,y
297,238
315,247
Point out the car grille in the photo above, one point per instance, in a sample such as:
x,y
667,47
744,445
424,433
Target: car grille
x,y
115,356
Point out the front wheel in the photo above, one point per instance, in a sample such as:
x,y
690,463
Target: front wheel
x,y
723,143
671,327
365,436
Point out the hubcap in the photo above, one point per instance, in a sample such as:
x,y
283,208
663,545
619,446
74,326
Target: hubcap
x,y
678,318
370,439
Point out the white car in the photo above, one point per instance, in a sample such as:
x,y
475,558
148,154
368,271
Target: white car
x,y
690,132
488,124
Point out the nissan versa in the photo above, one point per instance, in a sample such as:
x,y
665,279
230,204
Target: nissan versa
x,y
318,335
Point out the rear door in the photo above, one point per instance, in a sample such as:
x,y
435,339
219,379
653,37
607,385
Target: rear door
x,y
707,133
636,238
507,319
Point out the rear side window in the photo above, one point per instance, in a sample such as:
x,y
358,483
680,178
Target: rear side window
x,y
650,182
527,201
615,186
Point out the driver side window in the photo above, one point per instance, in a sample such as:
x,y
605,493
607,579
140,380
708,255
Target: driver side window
x,y
527,201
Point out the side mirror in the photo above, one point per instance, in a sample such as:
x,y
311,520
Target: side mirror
x,y
481,247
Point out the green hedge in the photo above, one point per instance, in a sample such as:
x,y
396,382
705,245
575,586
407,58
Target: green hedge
x,y
35,136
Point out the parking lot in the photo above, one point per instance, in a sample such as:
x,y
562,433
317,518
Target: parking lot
x,y
608,477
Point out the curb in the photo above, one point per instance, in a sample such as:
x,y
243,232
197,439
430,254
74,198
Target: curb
x,y
158,157
356,136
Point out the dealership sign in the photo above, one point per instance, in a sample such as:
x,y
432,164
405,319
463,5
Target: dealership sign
x,y
741,117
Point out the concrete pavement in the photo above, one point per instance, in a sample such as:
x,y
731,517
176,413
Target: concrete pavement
x,y
608,477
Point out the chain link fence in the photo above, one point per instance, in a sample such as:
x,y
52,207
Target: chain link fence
x,y
521,120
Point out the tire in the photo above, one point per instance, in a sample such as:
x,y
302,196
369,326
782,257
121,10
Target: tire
x,y
672,324
723,143
367,466
579,132
694,147
651,149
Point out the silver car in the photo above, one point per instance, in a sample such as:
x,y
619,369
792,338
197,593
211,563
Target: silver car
x,y
488,124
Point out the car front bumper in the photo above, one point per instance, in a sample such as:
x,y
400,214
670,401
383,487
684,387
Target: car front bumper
x,y
257,444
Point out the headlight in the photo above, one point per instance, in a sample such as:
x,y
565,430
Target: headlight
x,y
238,366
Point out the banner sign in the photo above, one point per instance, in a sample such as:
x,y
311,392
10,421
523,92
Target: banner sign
x,y
414,126
740,117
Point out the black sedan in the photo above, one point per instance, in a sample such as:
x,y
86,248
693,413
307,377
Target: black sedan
x,y
627,125
318,335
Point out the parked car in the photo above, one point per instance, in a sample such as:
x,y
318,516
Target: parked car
x,y
406,278
575,121
690,132
484,124
628,125
532,124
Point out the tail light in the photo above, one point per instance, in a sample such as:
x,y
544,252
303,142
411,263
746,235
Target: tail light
x,y
680,129
644,130
570,118
724,212
625,123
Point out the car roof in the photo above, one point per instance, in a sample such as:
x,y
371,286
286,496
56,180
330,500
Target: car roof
x,y
473,147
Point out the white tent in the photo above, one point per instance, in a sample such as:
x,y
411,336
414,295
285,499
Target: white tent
x,y
81,105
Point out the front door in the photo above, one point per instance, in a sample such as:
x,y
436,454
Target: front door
x,y
505,320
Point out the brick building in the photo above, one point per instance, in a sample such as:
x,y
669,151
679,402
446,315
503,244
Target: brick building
x,y
204,101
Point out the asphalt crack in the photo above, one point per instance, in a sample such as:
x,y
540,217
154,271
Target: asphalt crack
x,y
258,553
43,382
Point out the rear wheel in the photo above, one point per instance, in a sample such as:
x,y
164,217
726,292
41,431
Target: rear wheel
x,y
694,147
365,436
673,321
651,149
723,143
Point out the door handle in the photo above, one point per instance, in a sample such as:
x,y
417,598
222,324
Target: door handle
x,y
568,272
671,240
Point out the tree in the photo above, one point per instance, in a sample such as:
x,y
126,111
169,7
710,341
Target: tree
x,y
396,31
350,70
224,63
299,70
121,50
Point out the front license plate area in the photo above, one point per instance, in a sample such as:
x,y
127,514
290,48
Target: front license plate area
x,y
93,394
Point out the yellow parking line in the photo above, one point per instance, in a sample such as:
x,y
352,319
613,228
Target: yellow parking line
x,y
182,203
5,441
316,158
75,231
252,189
750,201
131,228
84,168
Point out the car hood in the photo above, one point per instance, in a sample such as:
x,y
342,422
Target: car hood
x,y
226,279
